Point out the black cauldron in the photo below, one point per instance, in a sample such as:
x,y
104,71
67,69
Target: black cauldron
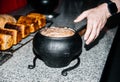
x,y
58,51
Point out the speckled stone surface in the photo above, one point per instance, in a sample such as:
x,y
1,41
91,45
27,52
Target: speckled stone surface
x,y
89,70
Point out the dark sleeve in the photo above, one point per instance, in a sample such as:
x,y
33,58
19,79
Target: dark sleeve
x,y
111,72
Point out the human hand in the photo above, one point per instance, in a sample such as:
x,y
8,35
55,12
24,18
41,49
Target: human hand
x,y
96,19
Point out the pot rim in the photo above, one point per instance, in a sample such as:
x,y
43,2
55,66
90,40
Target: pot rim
x,y
39,32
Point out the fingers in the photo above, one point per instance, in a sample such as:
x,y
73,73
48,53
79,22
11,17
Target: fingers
x,y
95,23
97,33
98,30
91,32
88,31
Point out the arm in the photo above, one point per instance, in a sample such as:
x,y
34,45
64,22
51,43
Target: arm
x,y
97,18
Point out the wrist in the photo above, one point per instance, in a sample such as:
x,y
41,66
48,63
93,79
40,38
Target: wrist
x,y
104,7
112,7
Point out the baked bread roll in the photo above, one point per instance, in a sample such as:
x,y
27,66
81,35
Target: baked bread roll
x,y
5,18
36,15
33,20
25,30
6,41
2,22
11,32
17,28
28,22
39,17
9,18
31,27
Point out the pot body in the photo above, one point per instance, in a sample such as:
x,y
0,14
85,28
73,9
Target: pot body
x,y
44,6
57,52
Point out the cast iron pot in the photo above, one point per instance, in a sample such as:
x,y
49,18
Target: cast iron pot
x,y
58,51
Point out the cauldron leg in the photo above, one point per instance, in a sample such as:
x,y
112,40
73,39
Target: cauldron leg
x,y
64,72
34,63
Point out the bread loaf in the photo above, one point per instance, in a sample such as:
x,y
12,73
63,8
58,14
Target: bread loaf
x,y
6,41
33,20
28,22
17,28
39,17
5,18
36,15
2,22
25,30
9,18
11,32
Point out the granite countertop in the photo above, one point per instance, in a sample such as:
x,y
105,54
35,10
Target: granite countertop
x,y
92,62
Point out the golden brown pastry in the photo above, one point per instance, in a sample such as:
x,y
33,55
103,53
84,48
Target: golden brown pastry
x,y
25,30
17,28
33,20
11,32
5,18
27,21
9,18
36,15
39,17
6,41
2,22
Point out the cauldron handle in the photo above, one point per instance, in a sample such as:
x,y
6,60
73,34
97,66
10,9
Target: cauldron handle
x,y
81,25
64,72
